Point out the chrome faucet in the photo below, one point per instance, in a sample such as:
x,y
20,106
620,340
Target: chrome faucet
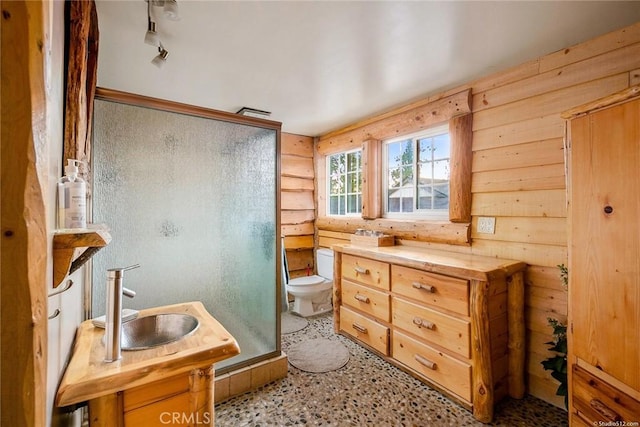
x,y
113,314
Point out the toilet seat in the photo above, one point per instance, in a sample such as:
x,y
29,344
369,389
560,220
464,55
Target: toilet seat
x,y
307,280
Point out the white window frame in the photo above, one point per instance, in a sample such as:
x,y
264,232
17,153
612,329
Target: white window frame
x,y
428,214
328,185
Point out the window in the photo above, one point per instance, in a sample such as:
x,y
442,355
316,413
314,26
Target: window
x,y
417,174
345,183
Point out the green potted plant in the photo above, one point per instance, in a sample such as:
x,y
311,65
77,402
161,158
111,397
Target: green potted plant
x,y
557,364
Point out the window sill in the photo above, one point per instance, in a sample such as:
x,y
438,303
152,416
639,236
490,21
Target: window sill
x,y
407,229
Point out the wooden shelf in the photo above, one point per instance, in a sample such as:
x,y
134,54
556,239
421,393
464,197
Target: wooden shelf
x,y
68,255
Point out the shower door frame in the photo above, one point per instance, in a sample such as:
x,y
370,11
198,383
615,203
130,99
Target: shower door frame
x,y
116,96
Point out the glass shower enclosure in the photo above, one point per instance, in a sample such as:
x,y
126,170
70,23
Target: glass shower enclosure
x,y
192,195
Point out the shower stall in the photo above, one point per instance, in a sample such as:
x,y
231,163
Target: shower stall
x,y
192,195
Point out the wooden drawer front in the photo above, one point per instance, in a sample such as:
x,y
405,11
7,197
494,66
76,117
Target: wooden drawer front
x,y
598,401
365,299
434,289
366,330
163,413
450,373
442,329
155,391
367,271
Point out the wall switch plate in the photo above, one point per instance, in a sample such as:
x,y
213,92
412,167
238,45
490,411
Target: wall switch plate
x,y
487,224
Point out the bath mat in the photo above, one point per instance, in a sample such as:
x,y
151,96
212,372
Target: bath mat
x,y
318,355
290,323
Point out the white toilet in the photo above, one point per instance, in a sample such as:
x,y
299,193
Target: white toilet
x,y
313,293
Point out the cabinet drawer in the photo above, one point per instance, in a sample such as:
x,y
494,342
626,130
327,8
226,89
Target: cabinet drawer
x,y
155,391
434,289
162,412
366,299
437,366
366,330
596,400
367,271
446,331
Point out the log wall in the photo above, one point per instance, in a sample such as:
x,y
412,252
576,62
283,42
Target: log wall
x,y
518,173
297,202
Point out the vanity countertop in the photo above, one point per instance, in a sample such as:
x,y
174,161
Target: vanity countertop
x,y
88,376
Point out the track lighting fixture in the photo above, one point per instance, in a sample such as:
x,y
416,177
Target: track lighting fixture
x,y
170,11
161,57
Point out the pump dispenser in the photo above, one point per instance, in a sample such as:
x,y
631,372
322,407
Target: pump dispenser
x,y
72,198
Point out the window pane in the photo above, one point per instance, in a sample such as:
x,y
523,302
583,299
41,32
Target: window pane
x,y
441,147
425,197
336,164
353,203
407,204
394,154
407,175
344,180
425,173
393,202
394,178
333,205
353,162
337,185
353,183
441,170
407,152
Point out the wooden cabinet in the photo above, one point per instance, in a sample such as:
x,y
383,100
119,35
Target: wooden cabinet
x,y
180,400
171,384
454,321
604,259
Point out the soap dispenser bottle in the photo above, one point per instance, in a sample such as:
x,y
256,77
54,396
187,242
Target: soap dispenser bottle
x,y
72,198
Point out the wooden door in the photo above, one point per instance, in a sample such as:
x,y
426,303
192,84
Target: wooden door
x,y
604,268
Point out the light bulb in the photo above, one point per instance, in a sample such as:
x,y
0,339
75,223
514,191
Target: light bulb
x,y
151,37
171,10
161,57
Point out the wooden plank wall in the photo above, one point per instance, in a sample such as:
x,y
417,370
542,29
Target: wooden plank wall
x,y
518,171
297,202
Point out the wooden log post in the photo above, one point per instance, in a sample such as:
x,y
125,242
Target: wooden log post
x,y
24,235
371,183
461,136
483,393
515,316
201,396
107,411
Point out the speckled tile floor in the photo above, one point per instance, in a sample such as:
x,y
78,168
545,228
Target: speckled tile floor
x,y
366,392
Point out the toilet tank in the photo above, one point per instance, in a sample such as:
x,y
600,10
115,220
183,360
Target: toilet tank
x,y
324,262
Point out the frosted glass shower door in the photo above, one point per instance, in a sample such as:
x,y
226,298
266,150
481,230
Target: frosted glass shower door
x,y
193,201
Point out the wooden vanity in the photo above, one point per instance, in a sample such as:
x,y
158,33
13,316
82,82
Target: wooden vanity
x,y
169,384
454,321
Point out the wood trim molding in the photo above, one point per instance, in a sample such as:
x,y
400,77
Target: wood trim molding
x,y
423,231
403,122
607,101
177,107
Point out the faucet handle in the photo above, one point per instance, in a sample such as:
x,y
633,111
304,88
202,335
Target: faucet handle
x,y
128,292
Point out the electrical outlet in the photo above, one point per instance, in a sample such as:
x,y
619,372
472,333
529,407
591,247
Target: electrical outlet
x,y
486,224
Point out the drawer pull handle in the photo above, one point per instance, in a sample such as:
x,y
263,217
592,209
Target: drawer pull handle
x,y
361,270
424,287
604,410
362,298
360,328
426,362
421,322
